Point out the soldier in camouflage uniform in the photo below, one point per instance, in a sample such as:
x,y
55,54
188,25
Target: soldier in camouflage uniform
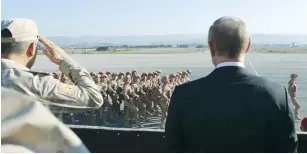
x,y
130,96
19,38
292,89
189,74
165,99
172,83
35,129
119,91
108,75
184,77
133,74
114,96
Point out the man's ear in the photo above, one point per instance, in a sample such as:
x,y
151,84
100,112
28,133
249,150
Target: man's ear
x,y
31,49
248,46
211,48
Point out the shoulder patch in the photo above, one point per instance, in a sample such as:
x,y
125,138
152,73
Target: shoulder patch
x,y
67,90
83,73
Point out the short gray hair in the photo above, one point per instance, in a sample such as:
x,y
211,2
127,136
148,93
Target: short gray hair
x,y
230,36
15,48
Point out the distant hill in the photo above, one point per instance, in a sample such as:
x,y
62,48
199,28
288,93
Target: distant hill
x,y
170,39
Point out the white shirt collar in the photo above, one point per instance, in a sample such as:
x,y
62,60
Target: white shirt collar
x,y
224,64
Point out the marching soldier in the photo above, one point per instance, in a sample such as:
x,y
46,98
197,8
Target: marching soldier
x,y
114,96
131,110
292,88
165,99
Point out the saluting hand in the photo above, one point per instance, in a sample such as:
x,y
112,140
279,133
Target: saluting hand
x,y
53,52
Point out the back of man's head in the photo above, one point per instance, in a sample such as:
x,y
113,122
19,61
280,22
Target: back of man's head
x,y
19,39
304,125
228,37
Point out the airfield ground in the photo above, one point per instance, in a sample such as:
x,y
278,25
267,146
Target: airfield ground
x,y
285,50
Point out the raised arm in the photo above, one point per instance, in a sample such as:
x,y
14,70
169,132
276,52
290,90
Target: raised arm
x,y
81,96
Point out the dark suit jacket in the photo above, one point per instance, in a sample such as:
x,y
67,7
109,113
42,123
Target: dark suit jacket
x,y
230,110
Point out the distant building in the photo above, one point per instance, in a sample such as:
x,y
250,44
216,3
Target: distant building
x,y
269,44
293,44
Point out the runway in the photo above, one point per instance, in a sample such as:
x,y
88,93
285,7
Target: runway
x,y
275,67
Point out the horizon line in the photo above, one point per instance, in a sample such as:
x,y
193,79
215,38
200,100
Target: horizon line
x,y
166,34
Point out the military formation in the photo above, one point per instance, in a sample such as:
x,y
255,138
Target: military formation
x,y
143,95
98,97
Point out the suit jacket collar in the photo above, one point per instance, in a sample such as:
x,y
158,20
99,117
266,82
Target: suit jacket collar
x,y
225,64
228,72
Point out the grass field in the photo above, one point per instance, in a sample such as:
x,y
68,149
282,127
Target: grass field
x,y
297,50
137,51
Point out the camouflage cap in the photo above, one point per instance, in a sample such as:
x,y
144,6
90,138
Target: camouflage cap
x,y
164,78
172,75
95,77
103,75
137,76
21,30
293,75
126,78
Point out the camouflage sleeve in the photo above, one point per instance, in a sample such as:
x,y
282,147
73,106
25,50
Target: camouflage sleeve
x,y
110,87
84,95
141,90
126,96
164,94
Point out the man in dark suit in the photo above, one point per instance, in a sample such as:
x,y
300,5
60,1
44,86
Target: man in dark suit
x,y
230,110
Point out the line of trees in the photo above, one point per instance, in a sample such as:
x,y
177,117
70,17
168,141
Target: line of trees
x,y
113,48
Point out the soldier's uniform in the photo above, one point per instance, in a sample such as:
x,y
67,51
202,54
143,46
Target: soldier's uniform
x,y
172,83
43,86
36,129
83,95
292,92
165,98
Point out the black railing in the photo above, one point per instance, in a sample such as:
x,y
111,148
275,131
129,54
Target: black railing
x,y
122,140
